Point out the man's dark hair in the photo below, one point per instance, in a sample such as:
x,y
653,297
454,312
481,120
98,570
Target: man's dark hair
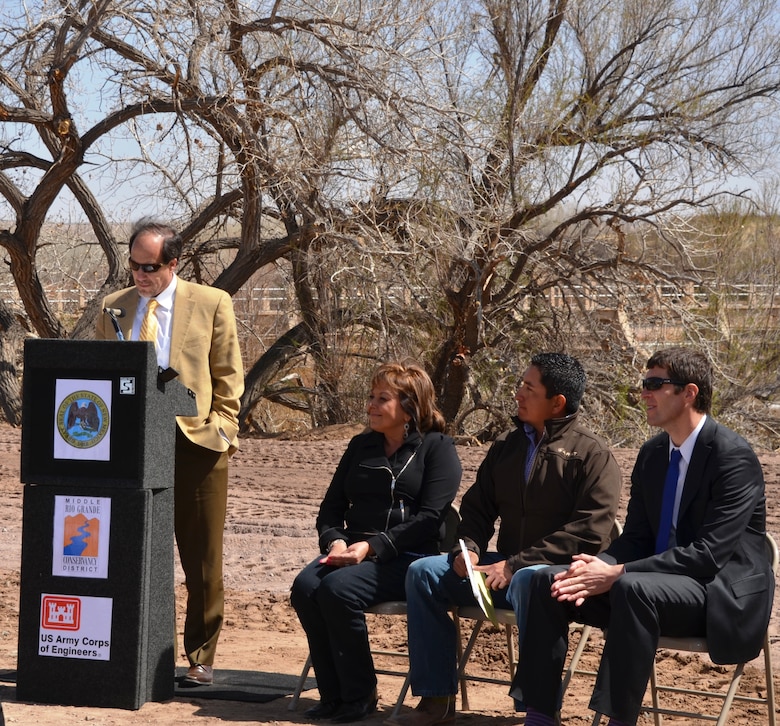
x,y
687,366
562,375
172,242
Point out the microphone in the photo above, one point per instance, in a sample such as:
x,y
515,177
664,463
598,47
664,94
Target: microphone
x,y
115,313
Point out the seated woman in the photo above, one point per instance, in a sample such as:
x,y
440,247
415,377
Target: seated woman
x,y
383,509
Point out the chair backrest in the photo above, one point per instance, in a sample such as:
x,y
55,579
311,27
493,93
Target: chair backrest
x,y
450,535
772,552
617,530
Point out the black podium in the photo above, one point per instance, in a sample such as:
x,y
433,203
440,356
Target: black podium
x,y
96,614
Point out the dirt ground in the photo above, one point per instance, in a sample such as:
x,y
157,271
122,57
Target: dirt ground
x,y
276,487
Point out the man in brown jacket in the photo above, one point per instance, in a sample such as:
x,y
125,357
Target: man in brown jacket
x,y
555,487
194,331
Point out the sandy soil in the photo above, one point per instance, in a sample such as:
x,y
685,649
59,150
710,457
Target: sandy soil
x,y
276,487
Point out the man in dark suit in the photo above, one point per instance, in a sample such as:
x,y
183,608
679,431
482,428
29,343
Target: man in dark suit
x,y
193,328
701,570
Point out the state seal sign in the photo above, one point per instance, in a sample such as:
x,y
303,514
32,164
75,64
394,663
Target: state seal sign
x,y
82,419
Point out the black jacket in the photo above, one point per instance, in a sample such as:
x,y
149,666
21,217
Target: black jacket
x,y
396,505
720,535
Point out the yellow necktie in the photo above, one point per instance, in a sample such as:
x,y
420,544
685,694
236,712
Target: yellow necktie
x,y
149,324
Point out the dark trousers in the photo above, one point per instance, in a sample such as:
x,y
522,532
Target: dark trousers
x,y
330,602
638,609
200,495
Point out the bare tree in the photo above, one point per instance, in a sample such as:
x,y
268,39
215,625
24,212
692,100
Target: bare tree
x,y
253,129
579,142
466,184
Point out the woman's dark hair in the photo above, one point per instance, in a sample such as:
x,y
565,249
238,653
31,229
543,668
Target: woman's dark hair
x,y
172,242
687,366
415,392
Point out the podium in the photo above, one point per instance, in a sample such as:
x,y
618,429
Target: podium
x,y
96,609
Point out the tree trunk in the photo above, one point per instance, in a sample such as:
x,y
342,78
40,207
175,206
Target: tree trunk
x,y
12,336
285,347
452,361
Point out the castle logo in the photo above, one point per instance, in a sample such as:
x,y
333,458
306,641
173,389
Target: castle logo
x,y
60,612
76,627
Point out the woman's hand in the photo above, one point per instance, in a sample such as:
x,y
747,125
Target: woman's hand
x,y
342,556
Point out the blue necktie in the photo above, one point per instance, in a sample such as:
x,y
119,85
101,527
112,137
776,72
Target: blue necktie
x,y
667,504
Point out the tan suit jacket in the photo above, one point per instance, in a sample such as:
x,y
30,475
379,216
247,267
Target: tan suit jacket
x,y
204,351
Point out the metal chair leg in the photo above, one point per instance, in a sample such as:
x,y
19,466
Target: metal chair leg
x,y
301,683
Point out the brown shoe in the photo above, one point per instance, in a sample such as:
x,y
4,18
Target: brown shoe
x,y
429,712
199,675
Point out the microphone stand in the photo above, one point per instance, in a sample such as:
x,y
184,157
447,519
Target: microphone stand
x,y
115,322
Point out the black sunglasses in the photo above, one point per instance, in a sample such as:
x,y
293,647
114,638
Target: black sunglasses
x,y
655,383
148,268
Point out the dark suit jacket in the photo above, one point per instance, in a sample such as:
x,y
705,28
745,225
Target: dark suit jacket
x,y
720,535
204,351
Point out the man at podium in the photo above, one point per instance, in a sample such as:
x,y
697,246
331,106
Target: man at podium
x,y
193,328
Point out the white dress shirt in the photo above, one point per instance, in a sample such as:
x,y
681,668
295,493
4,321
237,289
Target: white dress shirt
x,y
686,452
164,315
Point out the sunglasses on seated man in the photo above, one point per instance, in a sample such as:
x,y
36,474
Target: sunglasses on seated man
x,y
147,268
655,383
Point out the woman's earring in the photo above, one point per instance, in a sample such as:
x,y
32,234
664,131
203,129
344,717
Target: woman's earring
x,y
406,430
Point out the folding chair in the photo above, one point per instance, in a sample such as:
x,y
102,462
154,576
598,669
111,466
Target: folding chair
x,y
507,619
394,607
699,645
